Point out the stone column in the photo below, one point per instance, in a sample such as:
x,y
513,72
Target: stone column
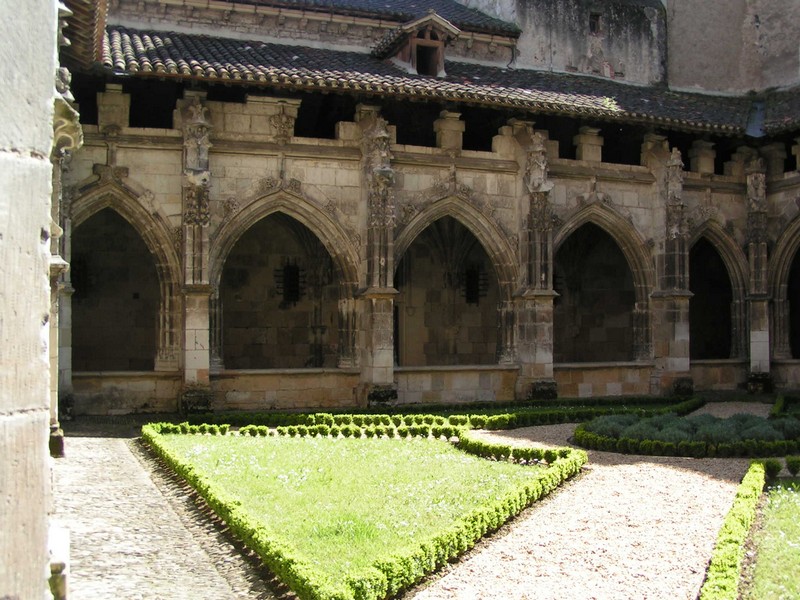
x,y
775,156
701,157
348,330
197,290
670,314
588,144
377,358
534,344
449,131
759,377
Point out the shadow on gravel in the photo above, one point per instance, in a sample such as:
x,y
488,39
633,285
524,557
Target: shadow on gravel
x,y
116,426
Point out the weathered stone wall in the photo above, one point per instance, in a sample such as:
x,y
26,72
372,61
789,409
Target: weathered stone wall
x,y
27,70
653,213
733,45
621,39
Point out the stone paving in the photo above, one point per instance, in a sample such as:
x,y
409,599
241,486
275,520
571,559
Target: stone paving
x,y
137,534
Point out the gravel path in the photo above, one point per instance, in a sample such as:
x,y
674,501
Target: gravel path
x,y
627,527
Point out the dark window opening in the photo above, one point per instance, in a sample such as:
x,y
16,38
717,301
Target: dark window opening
x,y
793,292
414,122
476,283
481,126
222,93
152,102
319,113
622,144
84,89
595,23
290,282
710,306
427,60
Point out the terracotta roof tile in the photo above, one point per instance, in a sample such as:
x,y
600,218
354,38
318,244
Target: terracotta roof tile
x,y
181,55
782,112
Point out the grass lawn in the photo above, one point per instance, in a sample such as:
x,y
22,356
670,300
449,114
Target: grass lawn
x,y
778,545
341,504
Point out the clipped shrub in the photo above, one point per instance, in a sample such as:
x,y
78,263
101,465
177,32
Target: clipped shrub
x,y
772,468
477,421
761,431
793,465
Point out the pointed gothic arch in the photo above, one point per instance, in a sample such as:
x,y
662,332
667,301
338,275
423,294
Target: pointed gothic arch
x,y
637,255
489,235
736,267
308,212
312,215
782,263
159,240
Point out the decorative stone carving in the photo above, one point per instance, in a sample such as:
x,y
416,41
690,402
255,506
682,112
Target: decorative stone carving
x,y
293,185
147,200
676,217
756,185
381,219
196,133
230,206
541,212
283,125
536,168
197,210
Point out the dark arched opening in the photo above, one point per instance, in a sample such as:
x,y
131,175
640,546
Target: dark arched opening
x,y
710,305
593,313
446,312
279,296
116,297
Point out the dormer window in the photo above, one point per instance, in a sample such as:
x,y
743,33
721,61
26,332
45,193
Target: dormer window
x,y
419,46
428,53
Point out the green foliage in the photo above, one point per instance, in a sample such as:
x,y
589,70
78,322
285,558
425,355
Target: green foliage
x,y
777,560
696,436
385,573
772,467
722,579
793,465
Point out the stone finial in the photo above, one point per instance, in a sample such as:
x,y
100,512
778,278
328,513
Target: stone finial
x,y
775,155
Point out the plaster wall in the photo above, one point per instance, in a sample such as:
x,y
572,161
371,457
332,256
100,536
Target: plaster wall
x,y
733,46
27,71
629,41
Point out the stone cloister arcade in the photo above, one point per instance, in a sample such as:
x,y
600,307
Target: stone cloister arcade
x,y
287,272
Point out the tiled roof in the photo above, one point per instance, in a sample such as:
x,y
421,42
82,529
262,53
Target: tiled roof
x,y
782,111
401,10
161,54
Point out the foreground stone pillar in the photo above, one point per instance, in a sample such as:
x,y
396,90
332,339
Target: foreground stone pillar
x,y
196,219
377,358
26,139
534,314
670,312
759,377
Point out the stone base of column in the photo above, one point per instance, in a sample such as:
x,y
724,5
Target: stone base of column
x,y
196,398
543,389
373,395
671,384
760,383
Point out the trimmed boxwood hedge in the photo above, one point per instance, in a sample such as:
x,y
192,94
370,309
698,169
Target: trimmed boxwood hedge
x,y
698,437
722,577
387,576
569,412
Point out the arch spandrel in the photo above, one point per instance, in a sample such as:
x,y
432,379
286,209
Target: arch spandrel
x,y
633,247
489,235
309,213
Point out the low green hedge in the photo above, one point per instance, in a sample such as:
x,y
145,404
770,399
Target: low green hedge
x,y
490,419
699,436
722,578
387,576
